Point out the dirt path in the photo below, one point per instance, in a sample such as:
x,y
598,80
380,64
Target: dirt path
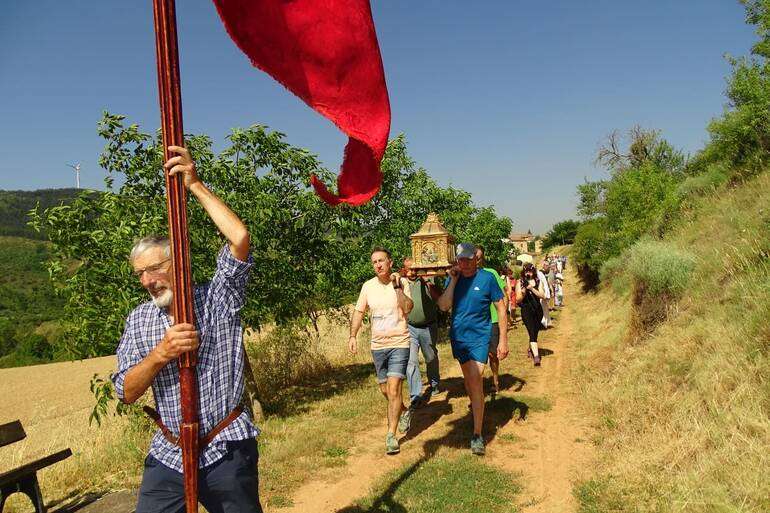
x,y
546,448
555,445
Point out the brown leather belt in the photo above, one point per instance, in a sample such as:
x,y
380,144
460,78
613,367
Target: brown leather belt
x,y
204,440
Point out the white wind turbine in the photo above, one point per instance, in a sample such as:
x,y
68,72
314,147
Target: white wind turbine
x,y
76,167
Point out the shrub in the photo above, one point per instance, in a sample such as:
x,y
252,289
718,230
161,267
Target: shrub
x,y
613,272
660,274
698,185
590,241
633,202
662,268
283,358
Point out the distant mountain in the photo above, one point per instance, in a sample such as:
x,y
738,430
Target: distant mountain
x,y
15,205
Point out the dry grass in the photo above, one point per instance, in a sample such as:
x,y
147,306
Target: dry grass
x,y
683,419
309,435
53,403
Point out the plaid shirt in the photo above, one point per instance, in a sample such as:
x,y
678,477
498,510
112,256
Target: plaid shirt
x,y
220,361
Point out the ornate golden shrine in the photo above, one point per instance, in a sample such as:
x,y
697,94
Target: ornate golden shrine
x,y
433,249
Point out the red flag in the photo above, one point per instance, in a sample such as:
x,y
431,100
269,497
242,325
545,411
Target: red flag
x,y
325,52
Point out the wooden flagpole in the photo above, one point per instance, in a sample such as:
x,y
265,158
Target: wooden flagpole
x,y
170,96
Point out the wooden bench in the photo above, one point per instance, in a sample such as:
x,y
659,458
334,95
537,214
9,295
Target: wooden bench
x,y
24,479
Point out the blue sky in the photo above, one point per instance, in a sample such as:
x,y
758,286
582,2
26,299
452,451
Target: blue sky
x,y
506,99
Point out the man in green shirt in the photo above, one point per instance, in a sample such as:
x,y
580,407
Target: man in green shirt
x,y
423,331
494,362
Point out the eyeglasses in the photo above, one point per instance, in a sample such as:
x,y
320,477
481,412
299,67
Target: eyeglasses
x,y
151,269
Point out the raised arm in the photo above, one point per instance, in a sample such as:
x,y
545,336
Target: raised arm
x,y
399,285
445,300
519,292
404,302
538,291
433,290
227,222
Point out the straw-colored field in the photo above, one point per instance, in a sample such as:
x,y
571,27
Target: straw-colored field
x,y
52,401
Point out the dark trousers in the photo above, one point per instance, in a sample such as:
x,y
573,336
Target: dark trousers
x,y
532,320
231,485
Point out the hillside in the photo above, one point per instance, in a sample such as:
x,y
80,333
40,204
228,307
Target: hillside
x,y
674,420
682,416
29,307
15,205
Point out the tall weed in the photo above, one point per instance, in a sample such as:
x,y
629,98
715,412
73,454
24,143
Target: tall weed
x,y
712,178
614,273
286,356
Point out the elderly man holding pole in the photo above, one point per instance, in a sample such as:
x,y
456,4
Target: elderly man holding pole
x,y
150,346
469,293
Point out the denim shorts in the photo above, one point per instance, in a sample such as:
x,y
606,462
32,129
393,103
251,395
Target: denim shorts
x,y
390,363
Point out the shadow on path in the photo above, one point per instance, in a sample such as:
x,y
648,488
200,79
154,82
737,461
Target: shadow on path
x,y
498,413
123,501
430,413
456,386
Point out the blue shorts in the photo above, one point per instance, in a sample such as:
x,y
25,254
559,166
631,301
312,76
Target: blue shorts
x,y
390,363
466,351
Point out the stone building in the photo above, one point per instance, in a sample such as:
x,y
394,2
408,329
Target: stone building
x,y
520,242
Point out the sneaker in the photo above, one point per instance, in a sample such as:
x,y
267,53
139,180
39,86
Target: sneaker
x,y
405,421
529,352
391,444
435,391
537,361
477,445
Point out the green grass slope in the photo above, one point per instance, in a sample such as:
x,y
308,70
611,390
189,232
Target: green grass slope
x,y
29,307
683,416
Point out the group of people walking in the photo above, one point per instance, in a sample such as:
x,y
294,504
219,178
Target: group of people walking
x,y
404,311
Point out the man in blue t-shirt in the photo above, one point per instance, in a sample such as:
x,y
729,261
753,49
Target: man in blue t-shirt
x,y
469,293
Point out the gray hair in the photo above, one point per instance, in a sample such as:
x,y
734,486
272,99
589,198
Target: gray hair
x,y
145,243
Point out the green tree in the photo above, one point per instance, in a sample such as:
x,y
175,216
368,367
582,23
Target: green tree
x,y
642,187
741,136
309,256
562,233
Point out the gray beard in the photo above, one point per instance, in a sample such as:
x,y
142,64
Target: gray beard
x,y
164,300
